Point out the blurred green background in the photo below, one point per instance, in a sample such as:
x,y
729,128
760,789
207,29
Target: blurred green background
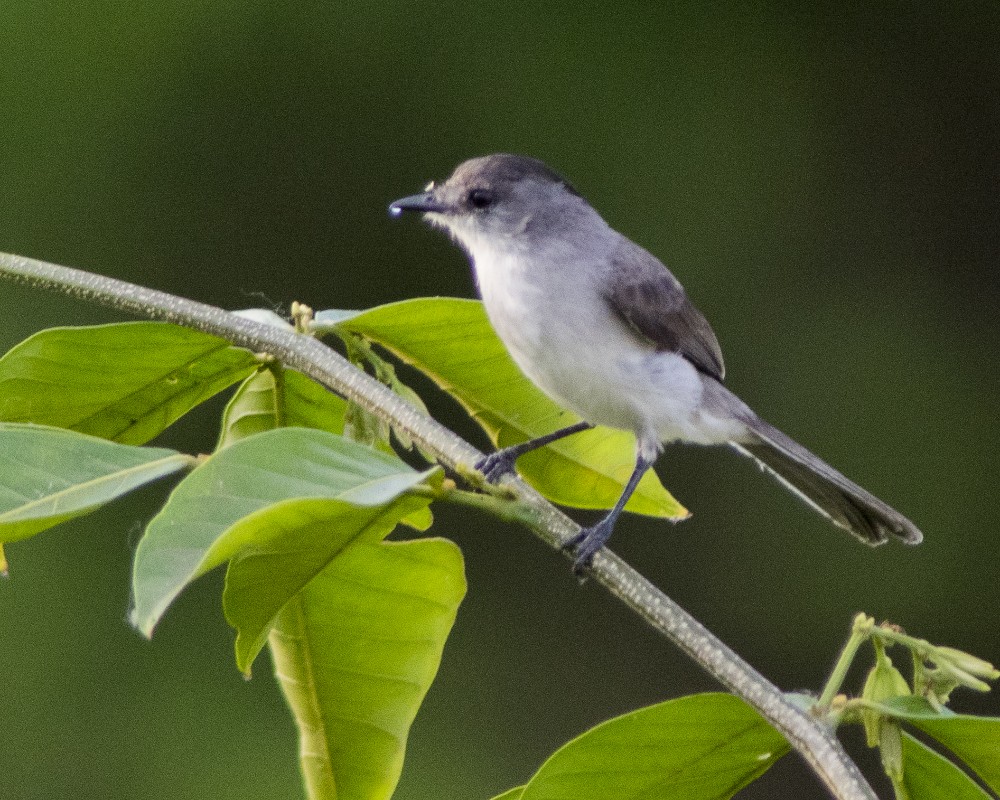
x,y
825,184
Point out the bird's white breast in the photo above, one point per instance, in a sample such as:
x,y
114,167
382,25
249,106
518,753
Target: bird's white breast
x,y
561,332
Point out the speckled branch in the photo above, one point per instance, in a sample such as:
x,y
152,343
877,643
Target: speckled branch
x,y
810,736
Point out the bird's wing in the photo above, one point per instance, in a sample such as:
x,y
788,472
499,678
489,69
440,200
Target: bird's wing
x,y
653,303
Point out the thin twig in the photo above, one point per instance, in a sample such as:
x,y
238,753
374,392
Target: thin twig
x,y
810,736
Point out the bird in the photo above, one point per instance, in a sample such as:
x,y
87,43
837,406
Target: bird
x,y
603,328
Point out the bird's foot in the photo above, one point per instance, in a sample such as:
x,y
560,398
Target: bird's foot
x,y
496,465
586,544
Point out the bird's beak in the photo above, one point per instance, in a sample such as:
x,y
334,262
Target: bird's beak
x,y
425,201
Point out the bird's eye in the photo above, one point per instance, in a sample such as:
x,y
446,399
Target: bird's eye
x,y
481,198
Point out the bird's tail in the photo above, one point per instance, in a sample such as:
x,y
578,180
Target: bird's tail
x,y
840,500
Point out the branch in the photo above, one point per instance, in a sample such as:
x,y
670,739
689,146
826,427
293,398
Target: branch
x,y
809,735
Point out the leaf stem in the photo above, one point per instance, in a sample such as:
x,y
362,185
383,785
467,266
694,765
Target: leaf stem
x,y
861,631
810,736
499,506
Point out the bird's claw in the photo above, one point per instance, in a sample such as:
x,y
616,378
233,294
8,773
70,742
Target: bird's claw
x,y
585,545
496,465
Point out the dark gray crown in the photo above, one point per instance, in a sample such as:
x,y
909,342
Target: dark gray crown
x,y
502,168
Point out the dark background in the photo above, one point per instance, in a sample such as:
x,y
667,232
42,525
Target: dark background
x,y
824,183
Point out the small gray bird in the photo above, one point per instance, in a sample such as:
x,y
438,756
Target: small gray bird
x,y
604,329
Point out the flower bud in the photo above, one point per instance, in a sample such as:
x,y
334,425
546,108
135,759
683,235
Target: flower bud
x,y
883,682
967,663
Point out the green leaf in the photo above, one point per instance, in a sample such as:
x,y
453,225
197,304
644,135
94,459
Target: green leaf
x,y
929,776
511,794
125,382
912,707
328,320
276,398
285,546
49,475
265,316
267,400
185,539
355,652
700,747
975,740
452,342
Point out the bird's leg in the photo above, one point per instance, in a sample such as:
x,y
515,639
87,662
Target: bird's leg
x,y
590,540
496,465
